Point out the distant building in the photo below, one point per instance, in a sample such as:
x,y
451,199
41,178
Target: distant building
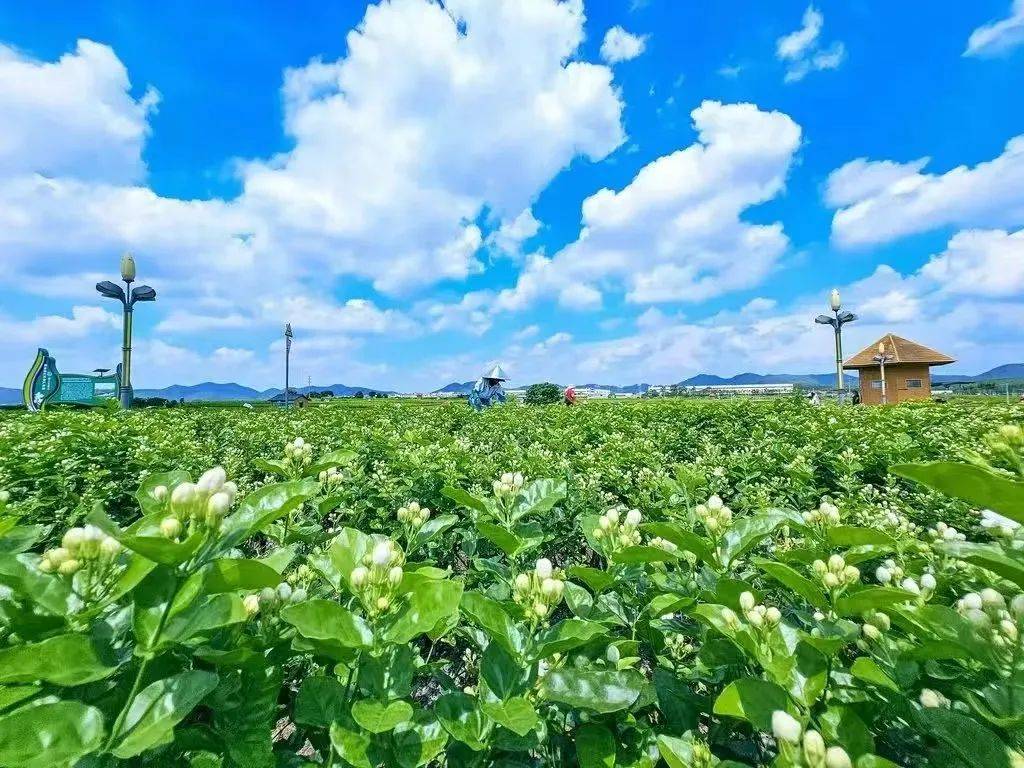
x,y
907,370
733,390
294,398
592,392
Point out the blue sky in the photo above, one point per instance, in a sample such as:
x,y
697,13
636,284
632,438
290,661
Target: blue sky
x,y
611,191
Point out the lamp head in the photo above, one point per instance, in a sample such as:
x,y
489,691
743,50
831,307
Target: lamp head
x,y
143,293
833,300
110,290
128,268
881,348
825,320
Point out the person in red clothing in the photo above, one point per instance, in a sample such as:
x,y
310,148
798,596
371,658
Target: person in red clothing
x,y
570,396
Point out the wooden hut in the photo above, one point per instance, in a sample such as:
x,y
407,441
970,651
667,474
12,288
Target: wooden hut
x,y
907,370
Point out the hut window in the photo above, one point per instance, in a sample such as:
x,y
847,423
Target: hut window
x,y
876,384
914,384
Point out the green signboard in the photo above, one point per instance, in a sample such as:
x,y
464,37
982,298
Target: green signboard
x,y
45,385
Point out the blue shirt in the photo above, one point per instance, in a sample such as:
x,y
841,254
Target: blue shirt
x,y
484,395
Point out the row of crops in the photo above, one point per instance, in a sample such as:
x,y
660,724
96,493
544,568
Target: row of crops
x,y
677,583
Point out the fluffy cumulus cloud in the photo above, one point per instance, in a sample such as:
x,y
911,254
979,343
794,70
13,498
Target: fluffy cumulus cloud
x,y
620,45
880,201
74,117
1000,36
802,50
380,183
980,263
676,232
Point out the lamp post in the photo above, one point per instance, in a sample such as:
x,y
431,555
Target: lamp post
x,y
837,320
287,361
882,358
127,296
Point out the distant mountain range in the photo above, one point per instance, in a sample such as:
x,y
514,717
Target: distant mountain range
x,y
213,391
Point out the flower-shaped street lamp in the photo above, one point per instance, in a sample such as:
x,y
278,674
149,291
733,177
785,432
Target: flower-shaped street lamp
x,y
127,296
837,320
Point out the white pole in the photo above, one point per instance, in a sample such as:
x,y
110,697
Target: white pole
x,y
881,365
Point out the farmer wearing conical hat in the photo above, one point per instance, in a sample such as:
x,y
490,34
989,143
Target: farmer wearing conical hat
x,y
488,390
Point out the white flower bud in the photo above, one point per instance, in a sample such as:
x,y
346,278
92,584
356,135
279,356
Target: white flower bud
x,y
383,603
183,495
395,575
212,480
612,515
773,615
633,517
299,595
522,582
785,727
540,609
992,599
268,597
883,574
836,563
931,699
298,442
871,632
747,601
971,601
836,757
730,618
543,568
160,492
382,553
830,580
170,527
251,603
69,567
219,504
715,503
814,747
1017,606
911,586
612,654
358,577
73,539
928,582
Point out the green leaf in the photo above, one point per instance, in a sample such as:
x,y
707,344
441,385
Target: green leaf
x,y
599,690
158,708
152,599
244,713
353,747
262,507
595,746
416,742
429,603
504,675
500,537
972,742
62,660
596,579
14,694
789,577
516,713
686,540
643,554
320,702
679,706
1008,564
345,552
432,528
853,536
336,458
49,734
748,532
230,575
565,636
170,480
841,725
208,615
379,718
144,537
465,499
538,497
876,598
490,616
463,719
327,621
752,700
677,753
979,486
867,669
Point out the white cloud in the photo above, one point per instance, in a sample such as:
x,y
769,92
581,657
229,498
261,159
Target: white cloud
x,y
555,340
802,50
46,329
998,37
435,117
881,201
74,117
511,234
981,263
526,333
676,232
620,45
